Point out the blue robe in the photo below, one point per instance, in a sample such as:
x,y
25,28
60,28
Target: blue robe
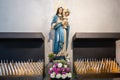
x,y
59,36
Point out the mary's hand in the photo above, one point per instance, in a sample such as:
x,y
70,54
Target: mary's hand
x,y
59,21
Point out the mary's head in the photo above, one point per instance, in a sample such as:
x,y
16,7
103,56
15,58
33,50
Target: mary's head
x,y
59,11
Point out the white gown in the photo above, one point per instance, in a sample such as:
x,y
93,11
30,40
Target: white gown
x,y
64,46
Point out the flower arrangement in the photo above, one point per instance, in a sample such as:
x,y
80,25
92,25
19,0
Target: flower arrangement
x,y
60,71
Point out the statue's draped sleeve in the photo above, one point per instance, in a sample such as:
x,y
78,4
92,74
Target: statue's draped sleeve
x,y
54,21
55,24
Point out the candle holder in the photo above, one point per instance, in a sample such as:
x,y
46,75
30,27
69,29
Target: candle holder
x,y
89,66
28,68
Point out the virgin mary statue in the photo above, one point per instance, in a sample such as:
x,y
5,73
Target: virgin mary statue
x,y
61,32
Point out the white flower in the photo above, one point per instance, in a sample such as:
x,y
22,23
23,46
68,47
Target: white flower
x,y
68,60
58,76
65,66
69,75
52,75
64,76
54,66
59,65
51,69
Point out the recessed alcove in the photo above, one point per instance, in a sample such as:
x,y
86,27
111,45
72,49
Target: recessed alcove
x,y
96,46
22,47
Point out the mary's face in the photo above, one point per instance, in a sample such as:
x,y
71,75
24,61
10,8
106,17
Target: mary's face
x,y
60,10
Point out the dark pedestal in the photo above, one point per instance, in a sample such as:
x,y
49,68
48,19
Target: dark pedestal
x,y
60,79
59,58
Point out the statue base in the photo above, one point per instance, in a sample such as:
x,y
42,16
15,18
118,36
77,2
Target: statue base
x,y
59,58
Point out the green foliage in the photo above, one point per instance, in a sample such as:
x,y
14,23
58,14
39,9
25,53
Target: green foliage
x,y
74,75
60,61
51,56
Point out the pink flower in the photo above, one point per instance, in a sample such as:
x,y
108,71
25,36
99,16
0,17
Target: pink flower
x,y
56,64
62,69
58,69
68,69
63,72
55,70
50,72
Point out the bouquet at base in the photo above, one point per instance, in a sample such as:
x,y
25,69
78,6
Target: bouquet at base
x,y
60,71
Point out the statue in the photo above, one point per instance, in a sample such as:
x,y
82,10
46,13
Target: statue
x,y
61,28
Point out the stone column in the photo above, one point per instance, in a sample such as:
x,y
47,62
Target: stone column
x,y
118,51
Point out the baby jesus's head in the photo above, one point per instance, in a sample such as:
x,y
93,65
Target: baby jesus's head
x,y
66,13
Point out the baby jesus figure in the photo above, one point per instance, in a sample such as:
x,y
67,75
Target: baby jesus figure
x,y
65,26
66,13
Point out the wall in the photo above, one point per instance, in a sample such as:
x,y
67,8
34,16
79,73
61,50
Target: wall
x,y
36,15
